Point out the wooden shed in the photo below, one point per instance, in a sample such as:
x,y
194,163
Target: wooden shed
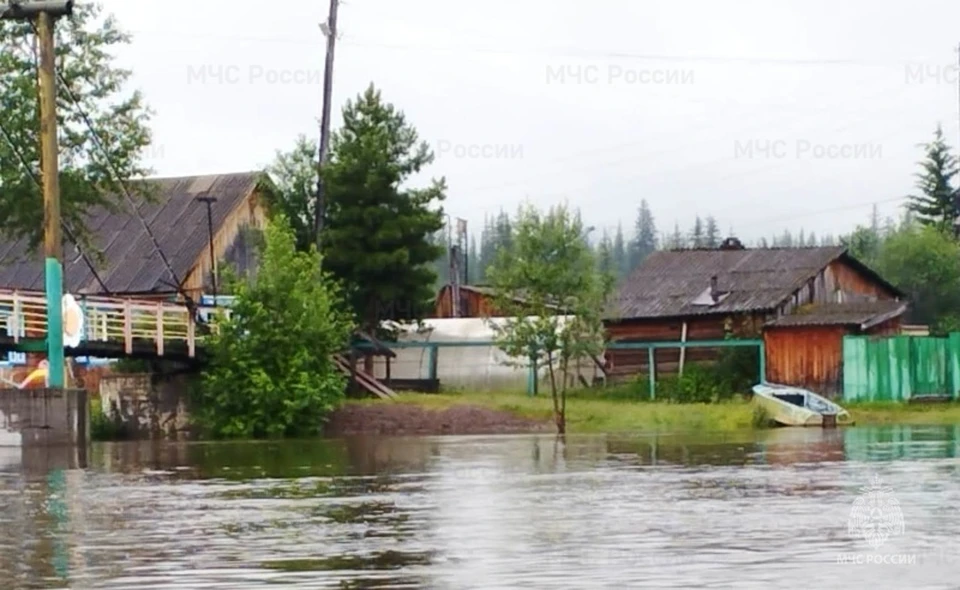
x,y
709,294
805,348
475,302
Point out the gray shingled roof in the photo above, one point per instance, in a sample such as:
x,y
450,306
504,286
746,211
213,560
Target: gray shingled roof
x,y
667,282
862,314
131,263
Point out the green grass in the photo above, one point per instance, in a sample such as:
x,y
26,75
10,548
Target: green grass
x,y
596,415
907,414
612,410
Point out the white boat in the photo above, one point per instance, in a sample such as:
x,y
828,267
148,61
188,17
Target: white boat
x,y
795,406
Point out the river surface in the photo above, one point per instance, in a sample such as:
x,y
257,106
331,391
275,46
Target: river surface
x,y
756,511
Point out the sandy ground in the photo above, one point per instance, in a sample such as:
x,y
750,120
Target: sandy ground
x,y
409,419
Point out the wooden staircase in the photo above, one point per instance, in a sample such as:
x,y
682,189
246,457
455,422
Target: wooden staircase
x,y
364,379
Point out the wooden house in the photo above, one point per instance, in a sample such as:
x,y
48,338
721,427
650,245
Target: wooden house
x,y
475,302
737,292
175,211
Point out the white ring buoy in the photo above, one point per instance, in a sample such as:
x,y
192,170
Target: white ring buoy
x,y
72,322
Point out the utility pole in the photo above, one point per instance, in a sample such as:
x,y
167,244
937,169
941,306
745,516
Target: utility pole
x,y
466,250
46,12
462,245
330,30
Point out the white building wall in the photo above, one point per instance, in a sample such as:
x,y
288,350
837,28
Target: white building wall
x,y
471,368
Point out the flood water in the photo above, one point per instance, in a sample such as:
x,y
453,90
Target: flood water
x,y
761,510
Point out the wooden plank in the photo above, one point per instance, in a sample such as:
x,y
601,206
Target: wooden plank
x,y
191,336
159,338
364,379
16,317
127,329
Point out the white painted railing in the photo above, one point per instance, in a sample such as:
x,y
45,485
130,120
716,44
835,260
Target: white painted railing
x,y
105,319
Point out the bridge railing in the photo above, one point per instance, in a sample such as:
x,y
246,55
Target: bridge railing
x,y
106,319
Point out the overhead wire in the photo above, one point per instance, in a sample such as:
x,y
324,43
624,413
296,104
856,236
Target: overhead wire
x,y
95,136
614,55
553,51
63,223
635,158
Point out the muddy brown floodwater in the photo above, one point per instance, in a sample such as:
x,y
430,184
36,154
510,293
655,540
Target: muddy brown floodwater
x,y
778,509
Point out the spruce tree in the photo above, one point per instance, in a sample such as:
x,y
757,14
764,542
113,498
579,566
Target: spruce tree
x,y
645,240
712,233
697,237
935,204
377,237
621,260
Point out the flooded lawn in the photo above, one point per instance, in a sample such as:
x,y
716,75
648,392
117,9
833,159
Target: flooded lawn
x,y
775,509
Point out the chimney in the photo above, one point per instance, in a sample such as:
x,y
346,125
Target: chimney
x,y
714,291
732,243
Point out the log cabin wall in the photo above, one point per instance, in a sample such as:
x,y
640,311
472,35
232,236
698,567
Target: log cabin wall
x,y
838,276
474,304
704,327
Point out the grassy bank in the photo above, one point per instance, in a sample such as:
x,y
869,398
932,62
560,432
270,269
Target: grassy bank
x,y
597,413
898,413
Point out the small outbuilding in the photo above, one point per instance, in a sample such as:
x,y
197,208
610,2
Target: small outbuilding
x,y
805,348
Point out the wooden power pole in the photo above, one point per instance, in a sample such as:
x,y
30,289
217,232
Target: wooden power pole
x,y
330,30
45,13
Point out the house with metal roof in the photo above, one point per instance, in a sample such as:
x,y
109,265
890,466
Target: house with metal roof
x,y
169,246
800,300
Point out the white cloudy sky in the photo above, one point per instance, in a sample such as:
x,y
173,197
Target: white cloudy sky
x,y
671,96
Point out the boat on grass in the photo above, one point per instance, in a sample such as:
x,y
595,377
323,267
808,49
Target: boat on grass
x,y
794,406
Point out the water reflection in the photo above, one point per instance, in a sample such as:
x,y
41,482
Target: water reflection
x,y
749,510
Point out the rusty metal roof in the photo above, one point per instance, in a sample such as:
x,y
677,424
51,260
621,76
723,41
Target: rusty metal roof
x,y
130,262
862,314
668,283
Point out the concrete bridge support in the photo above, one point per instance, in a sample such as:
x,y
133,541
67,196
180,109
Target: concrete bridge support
x,y
36,418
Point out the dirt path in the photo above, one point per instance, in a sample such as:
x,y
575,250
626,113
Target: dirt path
x,y
409,419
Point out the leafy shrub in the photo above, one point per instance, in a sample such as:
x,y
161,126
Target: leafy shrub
x,y
735,372
271,370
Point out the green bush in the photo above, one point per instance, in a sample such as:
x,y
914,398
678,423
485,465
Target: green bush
x,y
734,373
271,371
102,426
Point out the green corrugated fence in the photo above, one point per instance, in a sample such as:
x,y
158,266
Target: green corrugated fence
x,y
899,368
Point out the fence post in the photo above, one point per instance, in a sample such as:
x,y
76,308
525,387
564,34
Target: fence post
x,y
762,347
432,363
652,362
953,363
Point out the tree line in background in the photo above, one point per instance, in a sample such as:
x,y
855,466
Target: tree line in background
x,y
617,255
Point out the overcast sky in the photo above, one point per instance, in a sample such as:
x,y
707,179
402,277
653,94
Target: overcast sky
x,y
766,114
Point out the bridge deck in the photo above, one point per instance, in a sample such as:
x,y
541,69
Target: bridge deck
x,y
112,326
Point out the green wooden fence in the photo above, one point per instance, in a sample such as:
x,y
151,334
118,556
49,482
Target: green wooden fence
x,y
900,368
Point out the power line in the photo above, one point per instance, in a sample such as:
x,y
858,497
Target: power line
x,y
635,158
191,305
63,223
557,51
